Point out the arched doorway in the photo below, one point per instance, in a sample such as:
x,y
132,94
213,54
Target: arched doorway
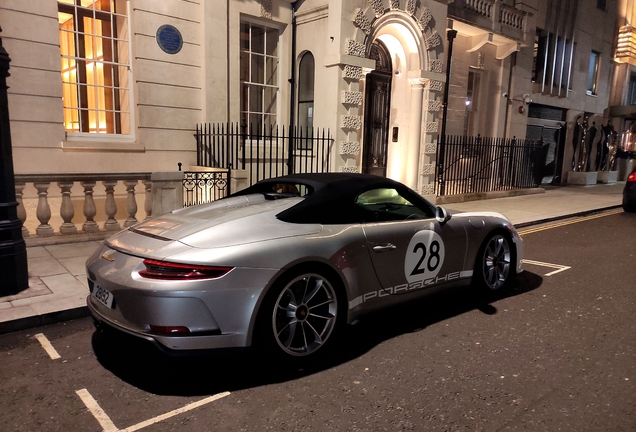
x,y
377,111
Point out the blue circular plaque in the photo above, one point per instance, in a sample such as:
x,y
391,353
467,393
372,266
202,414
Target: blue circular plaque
x,y
169,39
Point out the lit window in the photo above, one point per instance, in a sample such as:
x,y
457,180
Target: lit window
x,y
306,91
306,100
95,65
592,73
259,74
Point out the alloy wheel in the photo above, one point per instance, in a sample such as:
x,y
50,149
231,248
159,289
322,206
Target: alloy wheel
x,y
304,315
496,262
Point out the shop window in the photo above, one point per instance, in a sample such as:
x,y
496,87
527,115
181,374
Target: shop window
x,y
259,74
592,73
95,58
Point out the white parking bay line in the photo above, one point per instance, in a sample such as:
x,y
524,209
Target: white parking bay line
x,y
97,411
559,267
108,426
47,346
175,412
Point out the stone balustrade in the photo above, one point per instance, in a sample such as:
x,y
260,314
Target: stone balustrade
x,y
58,189
494,12
511,17
481,7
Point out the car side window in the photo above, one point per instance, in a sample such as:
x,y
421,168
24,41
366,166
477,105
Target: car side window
x,y
286,190
387,204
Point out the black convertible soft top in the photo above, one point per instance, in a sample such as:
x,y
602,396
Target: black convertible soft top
x,y
329,198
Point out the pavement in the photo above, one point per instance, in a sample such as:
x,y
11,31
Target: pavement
x,y
57,275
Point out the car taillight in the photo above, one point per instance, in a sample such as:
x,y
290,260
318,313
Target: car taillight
x,y
170,330
632,177
174,271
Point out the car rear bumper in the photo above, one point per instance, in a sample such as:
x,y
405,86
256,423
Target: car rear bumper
x,y
172,345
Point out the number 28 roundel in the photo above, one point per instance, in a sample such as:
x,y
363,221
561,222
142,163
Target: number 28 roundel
x,y
424,256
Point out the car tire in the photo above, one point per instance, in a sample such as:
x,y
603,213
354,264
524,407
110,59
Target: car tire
x,y
300,316
495,266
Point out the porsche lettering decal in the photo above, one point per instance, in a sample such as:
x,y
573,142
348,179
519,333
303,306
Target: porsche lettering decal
x,y
411,286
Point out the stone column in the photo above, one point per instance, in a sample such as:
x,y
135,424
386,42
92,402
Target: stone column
x,y
66,209
415,133
131,203
148,198
22,215
110,206
89,208
43,211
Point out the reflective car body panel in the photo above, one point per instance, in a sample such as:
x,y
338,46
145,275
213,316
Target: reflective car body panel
x,y
378,259
629,193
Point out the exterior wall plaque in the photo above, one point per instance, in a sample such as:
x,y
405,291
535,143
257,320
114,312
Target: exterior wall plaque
x,y
169,39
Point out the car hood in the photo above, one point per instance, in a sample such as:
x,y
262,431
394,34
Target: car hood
x,y
228,222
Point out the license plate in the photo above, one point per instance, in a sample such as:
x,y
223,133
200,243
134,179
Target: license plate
x,y
103,296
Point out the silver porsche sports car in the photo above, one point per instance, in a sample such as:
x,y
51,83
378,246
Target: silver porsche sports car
x,y
286,262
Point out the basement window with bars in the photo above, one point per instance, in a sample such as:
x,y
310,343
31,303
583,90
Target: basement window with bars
x,y
259,74
95,57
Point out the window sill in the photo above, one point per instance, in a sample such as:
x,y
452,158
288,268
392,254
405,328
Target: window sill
x,y
101,143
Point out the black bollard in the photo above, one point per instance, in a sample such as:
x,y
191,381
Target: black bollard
x,y
13,256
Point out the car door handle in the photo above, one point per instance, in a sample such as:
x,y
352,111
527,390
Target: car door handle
x,y
384,247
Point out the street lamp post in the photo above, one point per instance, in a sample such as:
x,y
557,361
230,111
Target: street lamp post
x,y
13,258
442,141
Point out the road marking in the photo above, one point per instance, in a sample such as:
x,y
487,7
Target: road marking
x,y
559,267
97,411
568,222
108,425
47,346
175,412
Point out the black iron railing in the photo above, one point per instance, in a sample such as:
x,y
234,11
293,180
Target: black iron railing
x,y
264,151
205,187
483,164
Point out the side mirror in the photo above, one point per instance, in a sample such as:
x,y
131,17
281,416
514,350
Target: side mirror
x,y
442,215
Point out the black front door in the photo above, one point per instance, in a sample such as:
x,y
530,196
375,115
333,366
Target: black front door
x,y
376,129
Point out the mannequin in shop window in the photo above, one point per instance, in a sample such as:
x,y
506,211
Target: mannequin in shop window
x,y
608,129
583,143
591,166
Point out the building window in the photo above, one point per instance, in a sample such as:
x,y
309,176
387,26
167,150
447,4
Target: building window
x,y
592,73
306,72
538,55
95,66
552,62
471,118
259,74
631,90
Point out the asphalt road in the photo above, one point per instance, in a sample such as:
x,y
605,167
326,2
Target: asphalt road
x,y
556,352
